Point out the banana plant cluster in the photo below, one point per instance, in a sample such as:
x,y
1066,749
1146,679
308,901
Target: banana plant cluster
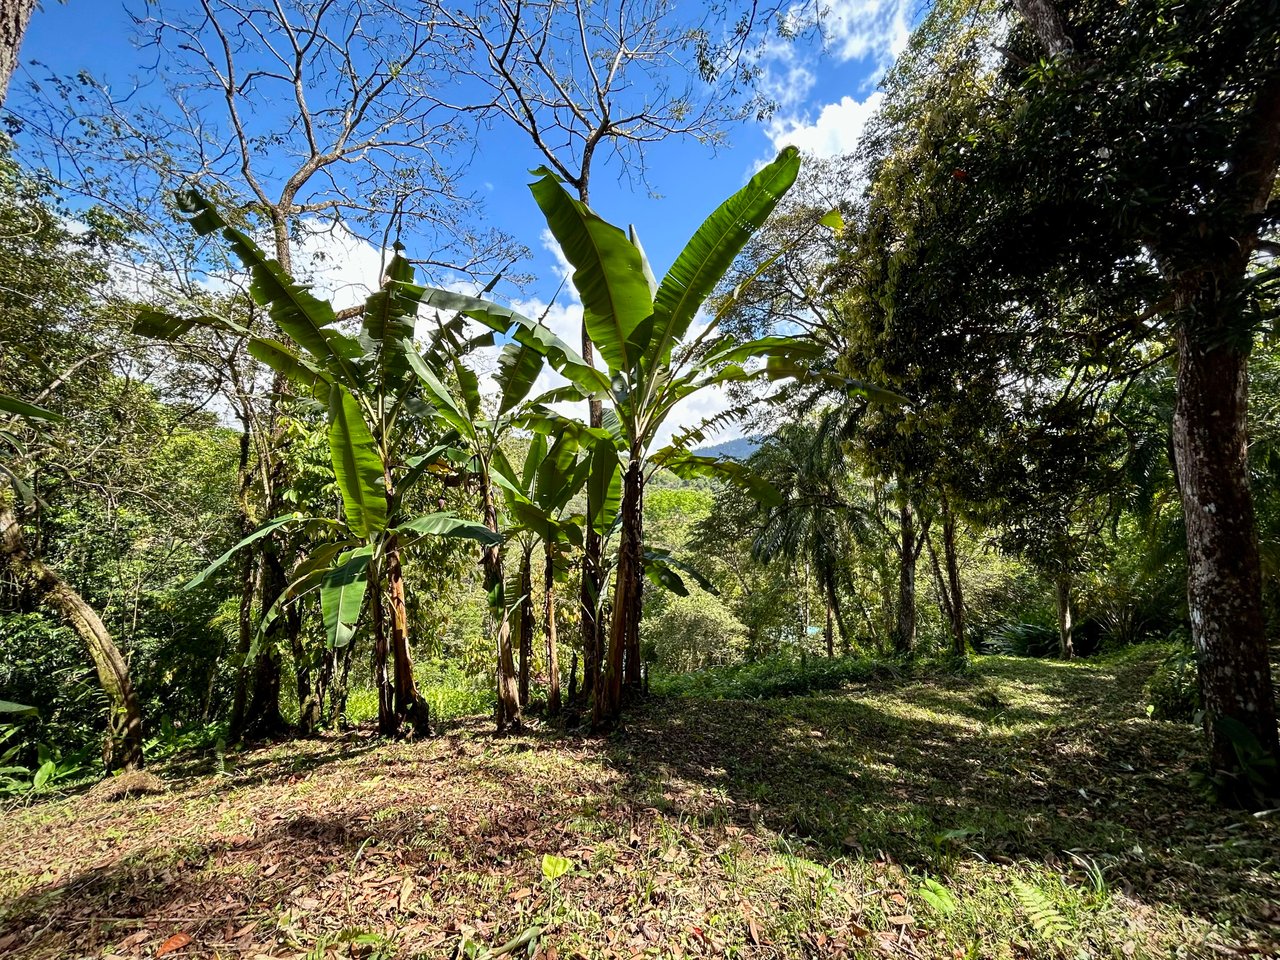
x,y
370,383
367,387
640,328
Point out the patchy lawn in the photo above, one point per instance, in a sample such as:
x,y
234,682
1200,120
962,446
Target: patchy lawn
x,y
1025,809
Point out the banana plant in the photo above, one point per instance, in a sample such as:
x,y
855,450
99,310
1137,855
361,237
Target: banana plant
x,y
537,499
366,386
454,389
640,328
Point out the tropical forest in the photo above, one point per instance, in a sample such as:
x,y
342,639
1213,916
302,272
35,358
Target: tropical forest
x,y
618,479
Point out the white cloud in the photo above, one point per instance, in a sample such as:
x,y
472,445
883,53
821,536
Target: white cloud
x,y
340,266
854,29
833,133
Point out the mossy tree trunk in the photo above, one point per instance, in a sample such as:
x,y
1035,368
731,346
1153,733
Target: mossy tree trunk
x,y
122,748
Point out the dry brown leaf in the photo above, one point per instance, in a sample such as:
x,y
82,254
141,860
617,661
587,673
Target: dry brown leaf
x,y
522,893
176,942
902,920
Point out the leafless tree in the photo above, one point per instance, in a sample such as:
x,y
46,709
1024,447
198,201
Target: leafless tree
x,y
295,115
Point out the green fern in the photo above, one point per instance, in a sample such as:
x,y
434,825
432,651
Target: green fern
x,y
1048,921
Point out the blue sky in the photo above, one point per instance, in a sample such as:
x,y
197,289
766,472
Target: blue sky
x,y
825,85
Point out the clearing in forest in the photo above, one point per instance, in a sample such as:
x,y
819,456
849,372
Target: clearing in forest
x,y
1021,809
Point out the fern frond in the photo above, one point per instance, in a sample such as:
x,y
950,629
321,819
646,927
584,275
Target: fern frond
x,y
1047,920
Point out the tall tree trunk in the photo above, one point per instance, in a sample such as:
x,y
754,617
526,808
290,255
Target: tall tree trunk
x,y
508,712
250,584
549,631
526,622
250,576
958,646
1224,592
14,16
262,718
122,747
408,702
829,630
904,629
608,699
1066,642
309,714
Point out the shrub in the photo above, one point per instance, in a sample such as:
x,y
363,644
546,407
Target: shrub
x,y
1022,640
1173,692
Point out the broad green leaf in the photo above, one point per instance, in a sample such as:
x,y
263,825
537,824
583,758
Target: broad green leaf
x,y
604,486
554,867
468,388
712,249
833,219
30,411
342,590
937,896
518,367
492,315
689,466
533,459
356,465
608,270
387,322
17,709
448,525
439,396
563,359
634,237
162,325
663,559
258,534
304,318
289,365
43,774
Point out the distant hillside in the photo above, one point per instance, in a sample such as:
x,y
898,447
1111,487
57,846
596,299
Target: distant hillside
x,y
737,449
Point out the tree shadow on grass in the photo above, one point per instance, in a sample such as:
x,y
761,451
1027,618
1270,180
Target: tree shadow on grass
x,y
933,774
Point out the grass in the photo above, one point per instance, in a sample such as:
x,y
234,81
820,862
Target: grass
x,y
1017,809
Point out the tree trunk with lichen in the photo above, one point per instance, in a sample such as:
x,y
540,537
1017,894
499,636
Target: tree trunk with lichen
x,y
122,747
1066,628
14,16
1224,594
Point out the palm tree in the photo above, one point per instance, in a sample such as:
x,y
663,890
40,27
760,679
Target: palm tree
x,y
819,519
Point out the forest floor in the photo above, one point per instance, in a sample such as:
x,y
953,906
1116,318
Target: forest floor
x,y
1021,809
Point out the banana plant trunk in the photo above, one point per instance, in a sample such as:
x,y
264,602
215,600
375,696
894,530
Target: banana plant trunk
x,y
387,724
508,712
626,602
122,747
633,677
526,622
549,631
408,703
